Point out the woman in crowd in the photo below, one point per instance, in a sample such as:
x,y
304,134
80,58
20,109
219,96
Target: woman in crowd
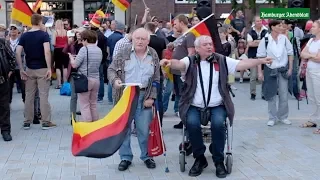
x,y
61,61
87,62
73,47
311,54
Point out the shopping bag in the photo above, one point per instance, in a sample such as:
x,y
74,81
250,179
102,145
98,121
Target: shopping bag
x,y
155,146
65,89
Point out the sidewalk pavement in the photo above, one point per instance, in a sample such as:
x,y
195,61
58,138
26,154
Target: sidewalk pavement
x,y
259,152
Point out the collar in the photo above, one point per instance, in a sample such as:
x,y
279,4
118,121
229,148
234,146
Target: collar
x,y
156,29
262,28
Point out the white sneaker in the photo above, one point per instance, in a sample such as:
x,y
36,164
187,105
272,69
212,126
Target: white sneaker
x,y
286,121
233,88
248,72
270,123
241,80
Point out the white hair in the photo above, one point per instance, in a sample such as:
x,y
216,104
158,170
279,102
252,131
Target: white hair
x,y
143,31
199,39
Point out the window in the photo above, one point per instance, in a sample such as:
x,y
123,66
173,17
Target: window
x,y
90,7
185,1
227,1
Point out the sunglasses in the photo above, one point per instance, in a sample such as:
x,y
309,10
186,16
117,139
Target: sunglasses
x,y
13,28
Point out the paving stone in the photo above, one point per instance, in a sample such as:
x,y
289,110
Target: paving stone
x,y
259,152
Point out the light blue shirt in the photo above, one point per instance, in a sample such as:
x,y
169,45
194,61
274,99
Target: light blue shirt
x,y
139,71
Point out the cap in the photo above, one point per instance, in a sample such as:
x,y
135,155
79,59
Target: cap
x,y
16,26
153,18
3,26
308,25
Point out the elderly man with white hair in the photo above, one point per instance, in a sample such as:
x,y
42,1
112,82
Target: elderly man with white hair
x,y
137,64
206,75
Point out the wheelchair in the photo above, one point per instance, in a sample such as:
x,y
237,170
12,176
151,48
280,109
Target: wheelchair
x,y
185,147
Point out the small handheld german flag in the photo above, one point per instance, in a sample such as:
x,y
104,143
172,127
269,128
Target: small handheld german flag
x,y
122,4
208,26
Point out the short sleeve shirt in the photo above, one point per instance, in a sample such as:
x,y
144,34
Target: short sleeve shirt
x,y
215,98
313,47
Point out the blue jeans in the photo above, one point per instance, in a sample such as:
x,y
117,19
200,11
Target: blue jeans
x,y
166,97
110,93
218,132
142,118
101,88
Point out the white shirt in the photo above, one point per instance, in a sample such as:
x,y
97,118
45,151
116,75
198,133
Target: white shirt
x,y
215,98
313,48
249,37
278,51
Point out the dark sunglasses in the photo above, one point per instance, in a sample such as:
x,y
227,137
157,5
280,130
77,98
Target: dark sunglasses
x,y
13,28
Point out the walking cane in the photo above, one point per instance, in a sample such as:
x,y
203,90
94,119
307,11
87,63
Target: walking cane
x,y
163,146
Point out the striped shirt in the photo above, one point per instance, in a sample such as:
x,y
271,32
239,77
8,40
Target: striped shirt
x,y
122,43
95,58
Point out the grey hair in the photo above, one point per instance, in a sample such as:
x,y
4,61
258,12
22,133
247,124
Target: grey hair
x,y
199,39
144,32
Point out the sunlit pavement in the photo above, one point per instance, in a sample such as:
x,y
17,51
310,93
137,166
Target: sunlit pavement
x,y
259,152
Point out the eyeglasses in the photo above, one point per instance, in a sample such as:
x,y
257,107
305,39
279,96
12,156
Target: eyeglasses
x,y
13,28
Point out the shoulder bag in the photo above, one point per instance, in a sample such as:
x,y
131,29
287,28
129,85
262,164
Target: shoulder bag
x,y
81,80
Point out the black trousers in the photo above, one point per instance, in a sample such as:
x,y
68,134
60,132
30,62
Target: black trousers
x,y
15,77
5,125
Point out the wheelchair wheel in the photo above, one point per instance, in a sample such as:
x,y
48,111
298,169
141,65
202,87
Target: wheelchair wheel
x,y
182,161
187,148
229,163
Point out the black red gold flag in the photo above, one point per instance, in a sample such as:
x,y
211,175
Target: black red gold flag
x,y
208,26
102,138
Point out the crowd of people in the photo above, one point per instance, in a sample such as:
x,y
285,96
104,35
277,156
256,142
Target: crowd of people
x,y
185,68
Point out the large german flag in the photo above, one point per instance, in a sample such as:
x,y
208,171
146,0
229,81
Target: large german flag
x,y
21,12
122,4
208,26
102,138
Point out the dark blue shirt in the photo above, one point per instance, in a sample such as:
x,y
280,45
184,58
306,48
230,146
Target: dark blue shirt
x,y
32,43
112,40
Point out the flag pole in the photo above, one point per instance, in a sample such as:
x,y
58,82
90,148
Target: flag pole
x,y
135,21
145,5
228,16
161,134
170,17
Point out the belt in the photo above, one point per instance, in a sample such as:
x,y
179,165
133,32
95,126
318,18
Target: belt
x,y
143,89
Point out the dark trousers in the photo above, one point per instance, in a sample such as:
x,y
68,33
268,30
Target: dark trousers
x,y
218,132
5,107
159,99
15,77
177,85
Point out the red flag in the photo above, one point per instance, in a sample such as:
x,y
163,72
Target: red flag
x,y
155,141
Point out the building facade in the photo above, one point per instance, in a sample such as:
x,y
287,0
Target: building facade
x,y
78,10
74,10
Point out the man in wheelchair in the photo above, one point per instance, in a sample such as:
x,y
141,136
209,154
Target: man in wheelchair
x,y
206,75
